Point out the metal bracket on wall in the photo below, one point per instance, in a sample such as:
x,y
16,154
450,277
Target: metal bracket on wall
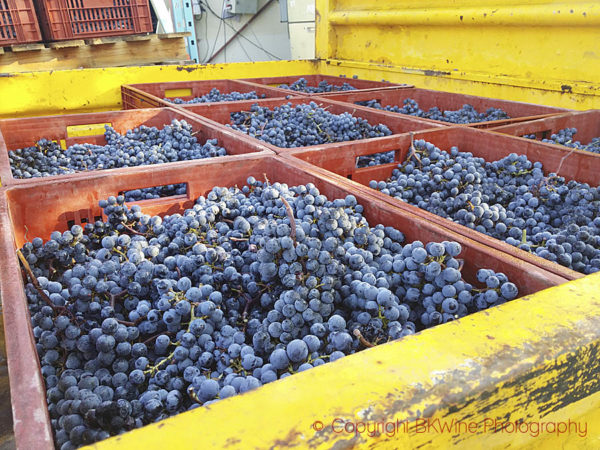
x,y
184,21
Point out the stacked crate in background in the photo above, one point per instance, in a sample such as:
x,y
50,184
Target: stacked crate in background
x,y
21,20
78,19
18,23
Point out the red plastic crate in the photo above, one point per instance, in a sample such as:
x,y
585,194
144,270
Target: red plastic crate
x,y
314,80
586,122
18,22
426,98
339,160
220,113
152,95
89,128
77,202
72,19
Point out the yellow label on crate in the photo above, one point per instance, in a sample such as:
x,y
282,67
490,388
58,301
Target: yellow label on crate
x,y
91,129
183,92
62,143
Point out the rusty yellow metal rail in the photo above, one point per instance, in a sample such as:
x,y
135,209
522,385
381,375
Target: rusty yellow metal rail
x,y
521,375
90,90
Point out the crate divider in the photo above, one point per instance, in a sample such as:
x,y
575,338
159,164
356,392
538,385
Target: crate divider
x,y
219,114
426,98
152,95
314,80
586,122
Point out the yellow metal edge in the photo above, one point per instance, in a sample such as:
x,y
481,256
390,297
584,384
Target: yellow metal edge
x,y
500,87
534,359
92,90
464,13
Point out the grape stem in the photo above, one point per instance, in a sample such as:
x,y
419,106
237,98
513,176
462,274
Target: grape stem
x,y
131,324
115,297
132,231
38,288
563,160
150,339
249,301
413,150
192,393
290,214
51,268
361,338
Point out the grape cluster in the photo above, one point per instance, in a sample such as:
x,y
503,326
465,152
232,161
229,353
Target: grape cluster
x,y
155,192
216,96
301,85
303,125
139,318
510,199
467,114
566,137
140,146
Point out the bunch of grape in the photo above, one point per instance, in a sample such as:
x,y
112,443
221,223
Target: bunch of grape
x,y
467,114
565,137
301,85
303,125
510,199
139,318
140,146
216,96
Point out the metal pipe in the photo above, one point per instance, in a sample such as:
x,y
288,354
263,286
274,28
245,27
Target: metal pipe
x,y
562,14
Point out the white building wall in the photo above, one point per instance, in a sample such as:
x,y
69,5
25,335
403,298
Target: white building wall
x,y
266,38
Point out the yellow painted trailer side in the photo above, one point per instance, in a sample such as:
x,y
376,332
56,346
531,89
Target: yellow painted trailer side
x,y
91,90
534,51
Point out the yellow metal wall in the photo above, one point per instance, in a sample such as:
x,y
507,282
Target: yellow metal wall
x,y
537,51
84,90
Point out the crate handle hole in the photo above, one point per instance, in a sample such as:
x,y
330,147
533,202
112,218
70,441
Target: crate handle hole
x,y
155,192
377,159
174,93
